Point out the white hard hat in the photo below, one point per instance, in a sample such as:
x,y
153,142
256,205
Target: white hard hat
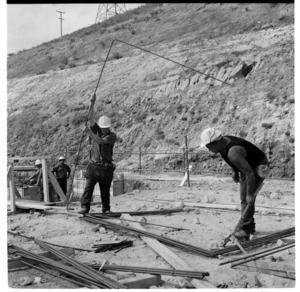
x,y
61,158
37,162
104,122
210,135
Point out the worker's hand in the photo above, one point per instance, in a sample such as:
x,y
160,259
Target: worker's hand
x,y
93,98
250,199
89,147
235,177
88,130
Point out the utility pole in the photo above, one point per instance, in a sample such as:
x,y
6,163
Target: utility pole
x,y
61,19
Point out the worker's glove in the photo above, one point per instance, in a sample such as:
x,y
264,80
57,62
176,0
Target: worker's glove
x,y
93,98
250,199
89,147
235,177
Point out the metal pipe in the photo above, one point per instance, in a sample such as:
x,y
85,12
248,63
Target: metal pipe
x,y
187,161
256,253
260,256
170,61
64,246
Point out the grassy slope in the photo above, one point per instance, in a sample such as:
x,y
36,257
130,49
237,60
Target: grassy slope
x,y
33,130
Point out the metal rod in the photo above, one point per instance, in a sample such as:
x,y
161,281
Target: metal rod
x,y
53,274
171,61
58,245
147,223
187,161
256,253
172,272
260,256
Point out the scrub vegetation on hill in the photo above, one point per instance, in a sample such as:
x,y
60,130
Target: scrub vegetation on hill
x,y
154,103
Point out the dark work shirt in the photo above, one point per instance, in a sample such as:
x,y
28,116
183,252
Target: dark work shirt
x,y
104,151
254,154
61,171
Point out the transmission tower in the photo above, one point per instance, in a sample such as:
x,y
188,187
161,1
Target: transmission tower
x,y
106,11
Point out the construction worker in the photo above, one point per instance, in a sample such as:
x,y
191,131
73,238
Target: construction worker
x,y
62,172
101,167
249,165
37,178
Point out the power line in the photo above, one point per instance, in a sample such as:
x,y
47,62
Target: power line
x,y
61,19
106,11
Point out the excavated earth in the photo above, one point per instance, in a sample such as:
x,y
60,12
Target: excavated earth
x,y
155,103
206,229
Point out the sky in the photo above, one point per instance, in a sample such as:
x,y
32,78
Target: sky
x,y
30,25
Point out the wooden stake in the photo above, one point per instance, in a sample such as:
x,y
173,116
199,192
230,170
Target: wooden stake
x,y
45,181
12,188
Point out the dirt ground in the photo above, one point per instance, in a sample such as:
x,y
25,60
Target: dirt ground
x,y
211,227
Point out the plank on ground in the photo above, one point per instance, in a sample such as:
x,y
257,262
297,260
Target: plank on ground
x,y
23,204
141,281
169,256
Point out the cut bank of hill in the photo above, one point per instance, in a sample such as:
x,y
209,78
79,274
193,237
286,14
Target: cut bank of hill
x,y
153,102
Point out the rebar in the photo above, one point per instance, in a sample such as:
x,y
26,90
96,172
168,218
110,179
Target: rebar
x,y
155,271
58,245
261,255
274,249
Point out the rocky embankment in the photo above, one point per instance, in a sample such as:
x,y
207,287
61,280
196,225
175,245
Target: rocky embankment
x,y
154,103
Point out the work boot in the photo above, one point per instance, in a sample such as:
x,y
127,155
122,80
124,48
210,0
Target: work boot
x,y
241,234
252,227
83,211
107,212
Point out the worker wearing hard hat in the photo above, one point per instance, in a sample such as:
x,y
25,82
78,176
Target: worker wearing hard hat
x,y
249,165
36,178
62,172
101,167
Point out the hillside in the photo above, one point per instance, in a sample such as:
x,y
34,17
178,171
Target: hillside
x,y
153,102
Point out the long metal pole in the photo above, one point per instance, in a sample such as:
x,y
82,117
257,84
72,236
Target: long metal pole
x,y
187,161
81,138
98,84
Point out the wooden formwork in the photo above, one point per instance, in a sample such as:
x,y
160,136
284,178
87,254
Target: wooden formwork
x,y
47,175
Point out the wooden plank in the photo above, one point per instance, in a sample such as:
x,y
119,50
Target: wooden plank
x,y
8,172
15,263
24,204
169,256
12,159
275,269
185,176
12,187
24,168
57,187
45,181
142,281
17,192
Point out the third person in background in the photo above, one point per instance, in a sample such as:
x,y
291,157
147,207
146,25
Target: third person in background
x,y
62,172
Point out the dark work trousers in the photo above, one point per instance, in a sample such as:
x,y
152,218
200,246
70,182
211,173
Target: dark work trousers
x,y
88,193
63,184
248,223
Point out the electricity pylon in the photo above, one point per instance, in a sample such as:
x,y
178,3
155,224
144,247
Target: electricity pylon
x,y
105,11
